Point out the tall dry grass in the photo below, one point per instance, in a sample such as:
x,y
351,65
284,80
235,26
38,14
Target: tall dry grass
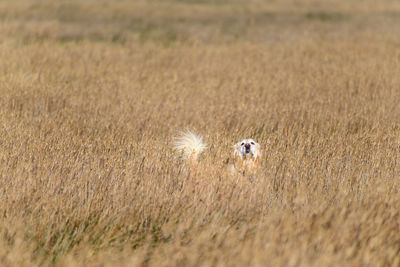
x,y
89,108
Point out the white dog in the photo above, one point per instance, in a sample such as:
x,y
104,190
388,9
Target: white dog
x,y
246,154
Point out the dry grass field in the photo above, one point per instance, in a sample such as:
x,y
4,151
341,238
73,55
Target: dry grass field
x,y
93,92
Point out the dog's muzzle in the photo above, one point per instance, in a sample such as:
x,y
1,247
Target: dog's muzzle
x,y
247,147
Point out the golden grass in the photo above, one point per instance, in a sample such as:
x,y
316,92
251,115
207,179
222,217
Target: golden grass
x,y
93,94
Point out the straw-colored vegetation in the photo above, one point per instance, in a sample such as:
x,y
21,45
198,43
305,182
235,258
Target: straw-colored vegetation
x,y
92,93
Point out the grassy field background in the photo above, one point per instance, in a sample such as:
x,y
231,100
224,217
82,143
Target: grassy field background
x,y
93,92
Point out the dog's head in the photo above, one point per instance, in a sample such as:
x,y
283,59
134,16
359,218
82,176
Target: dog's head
x,y
247,149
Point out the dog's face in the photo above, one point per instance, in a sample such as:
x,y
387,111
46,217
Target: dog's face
x,y
247,149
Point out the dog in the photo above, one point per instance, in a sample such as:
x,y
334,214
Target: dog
x,y
246,156
246,153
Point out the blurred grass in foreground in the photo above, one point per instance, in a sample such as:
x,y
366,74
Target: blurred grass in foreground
x,y
93,92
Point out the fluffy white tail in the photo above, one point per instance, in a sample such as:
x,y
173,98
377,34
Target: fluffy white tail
x,y
189,145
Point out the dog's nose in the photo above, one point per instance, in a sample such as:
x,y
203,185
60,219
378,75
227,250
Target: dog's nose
x,y
247,146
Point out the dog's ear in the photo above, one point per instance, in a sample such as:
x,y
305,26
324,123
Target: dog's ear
x,y
236,150
259,152
236,145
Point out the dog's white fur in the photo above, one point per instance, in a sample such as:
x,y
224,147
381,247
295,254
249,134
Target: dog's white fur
x,y
189,146
246,153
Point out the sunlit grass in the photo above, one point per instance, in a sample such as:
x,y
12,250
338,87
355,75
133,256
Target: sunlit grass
x,y
93,94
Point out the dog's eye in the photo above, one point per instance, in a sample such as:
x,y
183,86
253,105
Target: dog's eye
x,y
242,144
252,143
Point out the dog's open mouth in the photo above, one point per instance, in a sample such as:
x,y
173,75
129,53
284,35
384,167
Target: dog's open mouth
x,y
247,147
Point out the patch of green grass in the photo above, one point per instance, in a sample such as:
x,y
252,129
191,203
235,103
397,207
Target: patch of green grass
x,y
326,16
